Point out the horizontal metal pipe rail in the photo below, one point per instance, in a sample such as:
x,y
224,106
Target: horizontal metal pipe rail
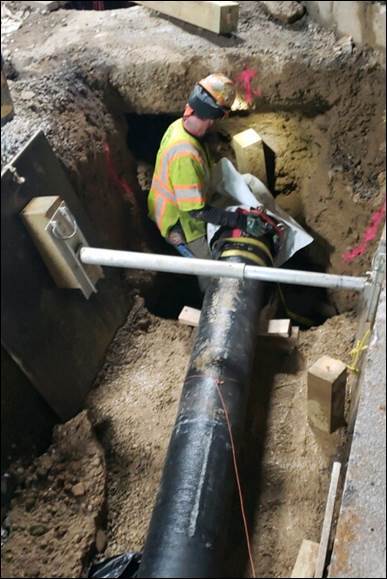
x,y
212,268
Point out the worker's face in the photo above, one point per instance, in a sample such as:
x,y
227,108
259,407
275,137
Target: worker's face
x,y
204,125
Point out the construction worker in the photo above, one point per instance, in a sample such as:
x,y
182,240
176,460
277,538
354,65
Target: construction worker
x,y
179,196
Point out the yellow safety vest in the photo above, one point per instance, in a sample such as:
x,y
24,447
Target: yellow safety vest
x,y
180,182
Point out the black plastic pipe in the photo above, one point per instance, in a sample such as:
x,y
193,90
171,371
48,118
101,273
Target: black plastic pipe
x,y
188,530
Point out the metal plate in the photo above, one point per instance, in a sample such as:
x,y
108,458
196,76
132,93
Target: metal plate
x,y
56,336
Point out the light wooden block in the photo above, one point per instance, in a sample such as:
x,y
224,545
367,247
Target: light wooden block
x,y
189,316
218,17
279,328
36,216
305,565
250,155
295,334
49,6
326,394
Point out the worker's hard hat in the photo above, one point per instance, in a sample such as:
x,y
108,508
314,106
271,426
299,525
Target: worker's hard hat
x,y
212,96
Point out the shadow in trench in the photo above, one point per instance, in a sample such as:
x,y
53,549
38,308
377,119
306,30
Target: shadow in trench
x,y
306,305
170,292
144,134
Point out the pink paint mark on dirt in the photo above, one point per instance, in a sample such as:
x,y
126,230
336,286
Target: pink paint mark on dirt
x,y
369,235
116,179
244,81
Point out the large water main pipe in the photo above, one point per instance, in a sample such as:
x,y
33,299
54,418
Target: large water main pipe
x,y
208,267
187,534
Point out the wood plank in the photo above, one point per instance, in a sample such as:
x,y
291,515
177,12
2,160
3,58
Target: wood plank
x,y
328,517
49,6
295,334
250,155
218,17
282,328
305,565
279,328
189,316
326,381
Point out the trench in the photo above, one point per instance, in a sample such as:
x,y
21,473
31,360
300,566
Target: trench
x,y
145,367
311,306
284,465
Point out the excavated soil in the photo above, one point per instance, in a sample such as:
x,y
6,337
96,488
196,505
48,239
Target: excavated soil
x,y
76,75
285,465
59,506
321,109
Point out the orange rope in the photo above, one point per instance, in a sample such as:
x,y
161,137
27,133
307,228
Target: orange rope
x,y
237,479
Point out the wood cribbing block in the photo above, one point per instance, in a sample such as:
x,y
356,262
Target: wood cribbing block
x,y
250,155
189,316
36,216
279,328
295,334
326,394
305,565
282,328
218,17
49,6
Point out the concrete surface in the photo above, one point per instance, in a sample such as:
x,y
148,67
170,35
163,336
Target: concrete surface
x,y
364,21
360,543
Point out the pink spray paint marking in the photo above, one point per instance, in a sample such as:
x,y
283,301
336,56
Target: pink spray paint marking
x,y
244,80
120,183
368,236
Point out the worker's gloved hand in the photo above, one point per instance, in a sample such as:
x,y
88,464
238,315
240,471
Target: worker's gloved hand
x,y
175,237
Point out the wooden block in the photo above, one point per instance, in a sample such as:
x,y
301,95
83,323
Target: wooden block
x,y
326,394
250,155
218,17
279,328
50,6
36,215
328,518
189,316
295,334
305,565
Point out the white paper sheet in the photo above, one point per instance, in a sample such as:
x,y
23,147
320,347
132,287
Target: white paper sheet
x,y
249,192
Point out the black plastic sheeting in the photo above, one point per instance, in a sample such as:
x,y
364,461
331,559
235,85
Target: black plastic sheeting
x,y
123,566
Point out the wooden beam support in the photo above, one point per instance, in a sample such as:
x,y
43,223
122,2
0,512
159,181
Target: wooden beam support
x,y
281,328
326,394
218,17
250,155
276,328
189,316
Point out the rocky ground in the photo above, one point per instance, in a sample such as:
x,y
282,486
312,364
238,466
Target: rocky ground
x,y
321,108
285,465
58,512
76,75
